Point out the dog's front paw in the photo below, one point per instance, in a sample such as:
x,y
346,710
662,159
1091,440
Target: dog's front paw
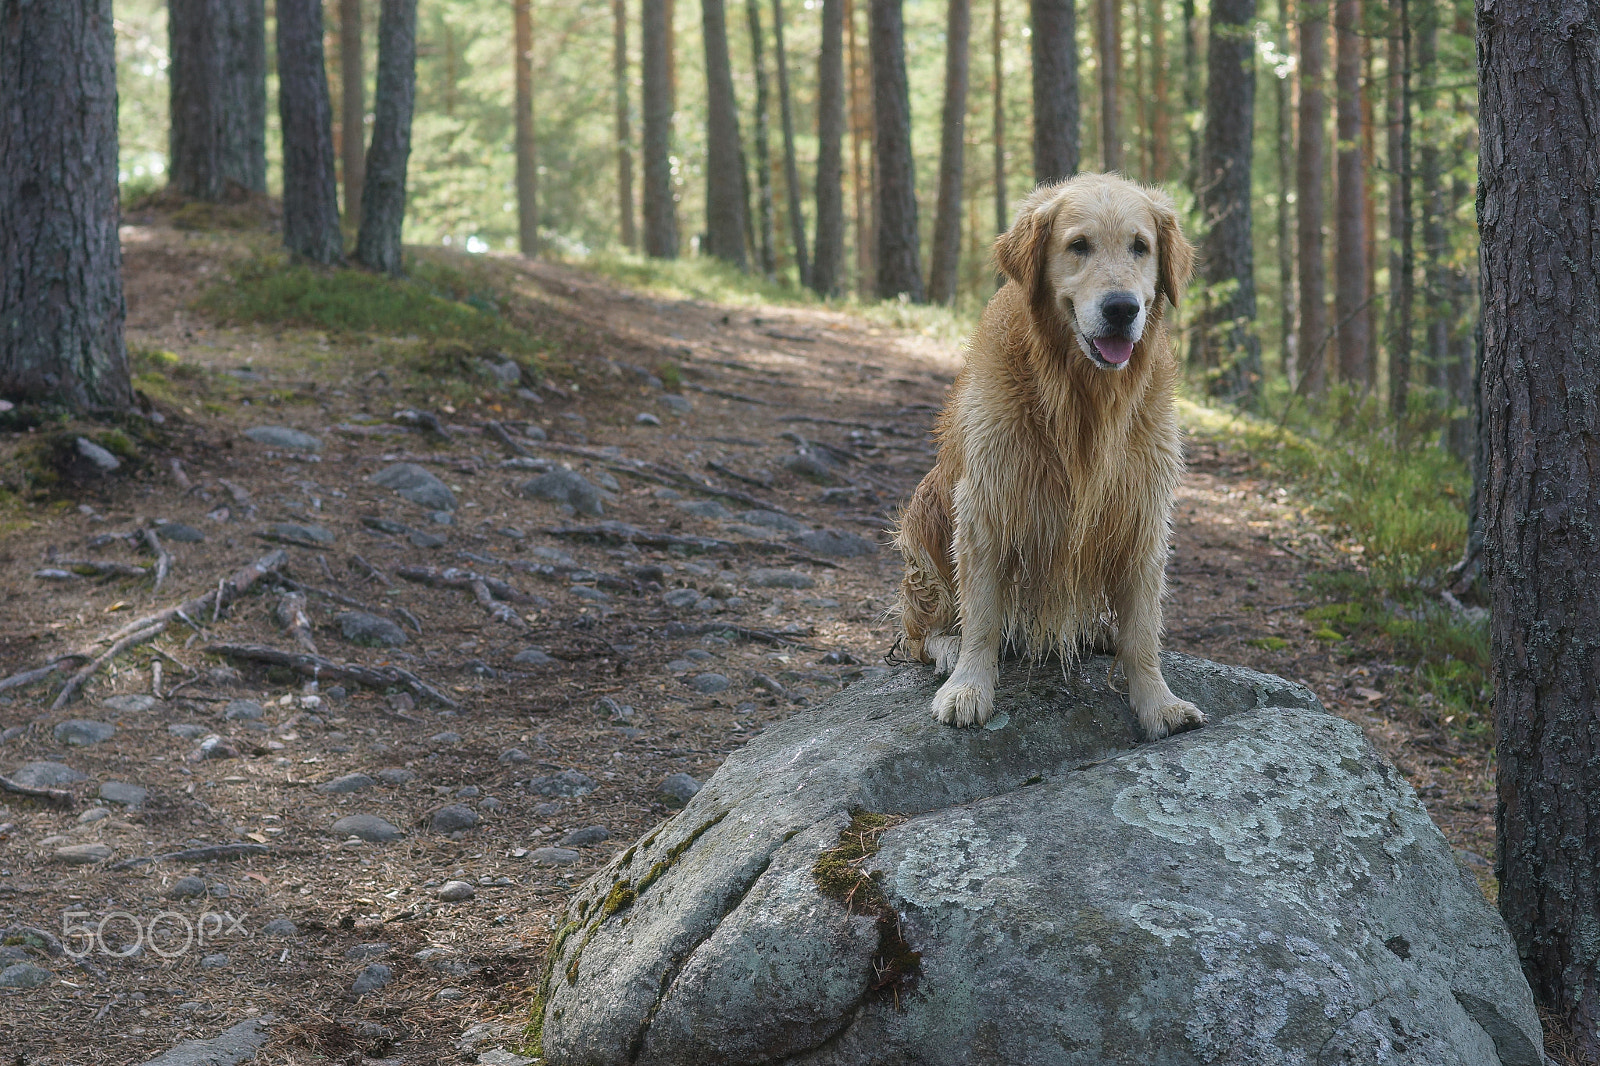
x,y
962,702
1170,717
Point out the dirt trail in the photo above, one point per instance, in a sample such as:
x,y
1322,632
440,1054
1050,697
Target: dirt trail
x,y
747,486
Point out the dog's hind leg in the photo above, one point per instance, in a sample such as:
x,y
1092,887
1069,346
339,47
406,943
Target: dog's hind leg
x,y
967,697
926,607
1136,602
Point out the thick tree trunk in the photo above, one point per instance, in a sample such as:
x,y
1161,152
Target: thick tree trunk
x,y
619,73
61,307
943,273
725,199
861,178
1002,219
1228,329
1310,167
899,268
828,265
383,200
766,237
1400,351
527,154
660,207
1160,121
791,169
352,106
1287,339
310,193
1108,37
1054,48
217,95
1350,287
1539,166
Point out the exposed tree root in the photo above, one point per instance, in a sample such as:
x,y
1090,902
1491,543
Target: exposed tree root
x,y
321,669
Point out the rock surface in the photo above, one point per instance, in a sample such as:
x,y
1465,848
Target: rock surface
x,y
1263,890
417,484
235,1045
293,440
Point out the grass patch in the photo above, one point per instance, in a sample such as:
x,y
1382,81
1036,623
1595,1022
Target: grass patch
x,y
1268,643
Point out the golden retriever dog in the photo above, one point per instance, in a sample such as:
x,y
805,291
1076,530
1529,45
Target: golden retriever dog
x,y
1044,523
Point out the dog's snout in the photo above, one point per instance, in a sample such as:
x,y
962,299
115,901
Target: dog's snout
x,y
1119,309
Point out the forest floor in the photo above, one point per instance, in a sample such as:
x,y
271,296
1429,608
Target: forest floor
x,y
632,652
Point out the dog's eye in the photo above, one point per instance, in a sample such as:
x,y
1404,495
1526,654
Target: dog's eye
x,y
1081,246
1139,247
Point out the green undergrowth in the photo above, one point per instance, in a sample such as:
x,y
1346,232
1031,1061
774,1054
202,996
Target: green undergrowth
x,y
840,874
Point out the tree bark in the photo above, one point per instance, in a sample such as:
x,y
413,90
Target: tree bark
x,y
861,179
829,260
217,96
766,238
1108,36
1054,48
1435,240
1228,328
791,169
899,268
310,193
61,309
1350,292
619,70
660,207
1002,219
383,200
1400,352
944,273
1191,91
725,199
1539,166
1286,293
352,106
527,153
1160,120
1310,167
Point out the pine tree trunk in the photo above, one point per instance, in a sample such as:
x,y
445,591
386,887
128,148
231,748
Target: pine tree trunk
x,y
1108,35
1002,217
310,193
1286,291
766,238
791,169
899,267
383,200
1160,120
527,154
943,274
725,201
1350,292
1539,90
1191,91
61,307
1400,353
660,208
1310,166
1397,220
861,177
217,96
1228,328
1435,250
829,262
619,69
1054,48
1369,204
352,106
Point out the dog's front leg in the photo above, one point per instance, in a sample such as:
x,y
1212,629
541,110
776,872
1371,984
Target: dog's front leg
x,y
967,696
1136,601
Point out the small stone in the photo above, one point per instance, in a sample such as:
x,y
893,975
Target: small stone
x,y
447,737
130,703
507,373
499,1056
554,856
566,487
835,543
681,598
419,539
811,467
368,827
708,684
186,730
765,578
678,405
124,793
11,953
677,790
292,440
452,818
665,493
347,783
586,592
92,815
83,854
454,892
374,977
243,711
369,630
418,485
491,804
306,535
567,783
24,975
103,460
645,418
81,733
772,520
280,927
547,810
532,657
47,775
704,508
395,776
186,888
367,951
582,838
450,995
218,961
513,756
213,747
179,533
468,792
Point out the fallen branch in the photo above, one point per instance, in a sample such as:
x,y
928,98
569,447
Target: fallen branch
x,y
38,673
499,433
347,601
500,612
210,853
316,667
760,636
76,681
454,578
58,797
622,533
293,618
103,568
553,572
726,394
372,571
727,471
652,471
163,557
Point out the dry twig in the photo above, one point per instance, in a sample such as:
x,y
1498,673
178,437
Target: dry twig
x,y
316,667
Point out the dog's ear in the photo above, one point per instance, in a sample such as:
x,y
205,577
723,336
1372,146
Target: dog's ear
x,y
1019,252
1174,253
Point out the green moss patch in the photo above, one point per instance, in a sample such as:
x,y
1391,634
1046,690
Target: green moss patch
x,y
840,874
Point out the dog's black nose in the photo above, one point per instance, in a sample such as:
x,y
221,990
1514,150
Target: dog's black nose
x,y
1119,309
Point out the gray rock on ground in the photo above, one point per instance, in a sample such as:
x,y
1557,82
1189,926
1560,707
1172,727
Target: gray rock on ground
x,y
566,487
676,790
772,578
372,978
566,784
416,484
834,543
453,818
47,775
370,630
124,793
346,783
368,827
131,703
292,440
82,733
1263,890
235,1045
24,975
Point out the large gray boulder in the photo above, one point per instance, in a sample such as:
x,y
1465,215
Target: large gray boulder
x,y
1264,890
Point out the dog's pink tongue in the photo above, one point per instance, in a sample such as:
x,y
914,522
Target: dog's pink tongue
x,y
1114,351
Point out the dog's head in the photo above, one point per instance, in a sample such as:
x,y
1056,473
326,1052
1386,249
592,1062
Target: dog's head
x,y
1095,253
